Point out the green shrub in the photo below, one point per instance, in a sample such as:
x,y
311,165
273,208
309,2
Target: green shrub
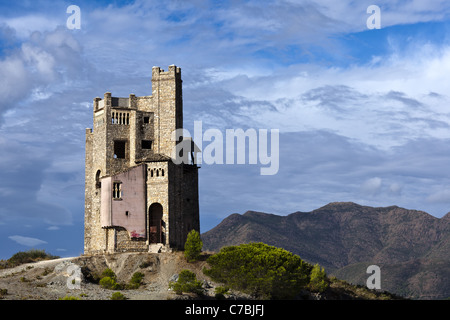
x,y
69,298
318,280
3,292
109,283
136,280
193,246
118,296
32,255
187,282
220,292
261,270
109,273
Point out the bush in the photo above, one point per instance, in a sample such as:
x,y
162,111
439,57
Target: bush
x,y
3,292
187,282
193,246
318,280
118,296
69,298
261,270
109,283
136,280
109,273
32,255
220,292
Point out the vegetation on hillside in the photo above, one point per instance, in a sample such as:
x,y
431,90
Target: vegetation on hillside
x,y
21,257
261,270
108,280
187,282
193,246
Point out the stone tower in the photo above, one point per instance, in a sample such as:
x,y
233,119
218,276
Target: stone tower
x,y
136,197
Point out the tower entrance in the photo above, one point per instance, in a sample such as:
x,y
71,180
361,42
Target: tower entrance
x,y
155,228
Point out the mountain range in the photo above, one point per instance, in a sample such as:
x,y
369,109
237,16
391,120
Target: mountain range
x,y
411,247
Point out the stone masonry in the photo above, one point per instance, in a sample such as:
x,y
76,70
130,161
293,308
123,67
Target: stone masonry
x,y
136,198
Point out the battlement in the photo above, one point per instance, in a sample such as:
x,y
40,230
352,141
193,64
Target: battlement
x,y
158,74
114,102
173,70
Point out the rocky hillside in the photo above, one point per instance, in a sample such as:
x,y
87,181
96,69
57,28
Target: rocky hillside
x,y
411,247
52,280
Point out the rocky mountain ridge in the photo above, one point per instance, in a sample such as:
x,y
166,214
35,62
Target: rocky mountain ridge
x,y
410,246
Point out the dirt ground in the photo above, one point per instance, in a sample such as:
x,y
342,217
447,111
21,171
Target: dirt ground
x,y
55,279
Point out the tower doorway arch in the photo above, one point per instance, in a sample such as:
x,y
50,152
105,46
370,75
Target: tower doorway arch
x,y
156,224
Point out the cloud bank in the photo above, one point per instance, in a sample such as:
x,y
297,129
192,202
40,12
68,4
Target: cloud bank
x,y
363,114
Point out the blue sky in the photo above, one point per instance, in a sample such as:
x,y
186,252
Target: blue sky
x,y
363,114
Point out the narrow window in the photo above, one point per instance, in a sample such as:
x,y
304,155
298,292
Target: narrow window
x,y
119,149
117,190
157,172
162,172
151,173
128,118
146,144
98,183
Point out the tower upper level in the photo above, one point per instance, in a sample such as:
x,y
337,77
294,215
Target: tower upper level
x,y
130,130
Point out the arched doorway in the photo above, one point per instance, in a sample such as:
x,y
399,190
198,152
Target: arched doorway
x,y
156,233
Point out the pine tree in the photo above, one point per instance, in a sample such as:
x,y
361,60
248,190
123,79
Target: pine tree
x,y
319,280
193,246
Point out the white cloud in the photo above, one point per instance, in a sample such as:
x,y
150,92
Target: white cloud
x,y
25,25
27,241
442,196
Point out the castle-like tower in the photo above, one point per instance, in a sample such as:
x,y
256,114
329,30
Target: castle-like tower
x,y
136,197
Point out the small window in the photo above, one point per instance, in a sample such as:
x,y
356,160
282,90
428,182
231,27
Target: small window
x,y
119,149
146,144
98,183
117,190
146,119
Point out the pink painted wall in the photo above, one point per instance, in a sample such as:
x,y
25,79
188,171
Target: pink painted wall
x,y
132,202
